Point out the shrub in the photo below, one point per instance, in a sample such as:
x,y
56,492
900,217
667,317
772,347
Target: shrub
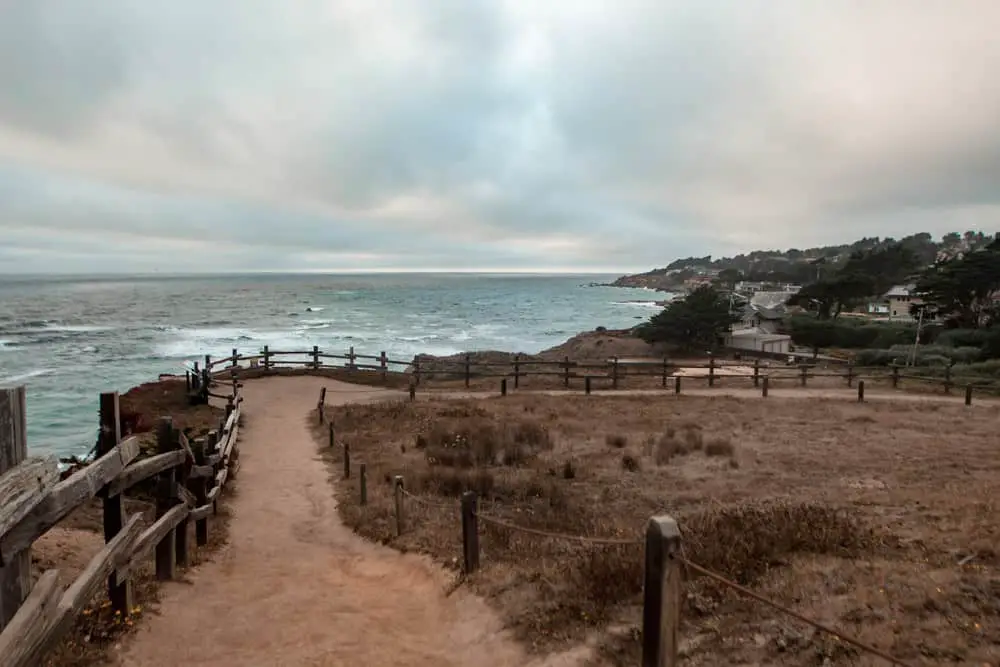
x,y
963,338
719,447
617,441
631,463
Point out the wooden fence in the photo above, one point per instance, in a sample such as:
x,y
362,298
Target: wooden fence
x,y
190,477
612,373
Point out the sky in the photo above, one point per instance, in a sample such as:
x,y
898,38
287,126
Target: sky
x,y
565,135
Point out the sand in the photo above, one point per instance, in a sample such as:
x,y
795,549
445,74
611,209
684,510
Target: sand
x,y
296,587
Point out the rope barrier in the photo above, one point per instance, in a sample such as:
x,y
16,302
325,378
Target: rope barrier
x,y
427,503
794,614
601,541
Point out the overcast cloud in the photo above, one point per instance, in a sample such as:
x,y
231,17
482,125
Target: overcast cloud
x,y
452,134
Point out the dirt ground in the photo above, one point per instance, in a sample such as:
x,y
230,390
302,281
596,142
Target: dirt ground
x,y
294,586
879,518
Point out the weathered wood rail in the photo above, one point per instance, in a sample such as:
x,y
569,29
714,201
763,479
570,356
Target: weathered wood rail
x,y
612,373
189,479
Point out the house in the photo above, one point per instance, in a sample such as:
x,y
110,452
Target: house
x,y
900,300
757,340
697,281
765,318
748,288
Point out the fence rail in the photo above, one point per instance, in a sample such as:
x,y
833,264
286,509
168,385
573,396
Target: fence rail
x,y
190,478
613,373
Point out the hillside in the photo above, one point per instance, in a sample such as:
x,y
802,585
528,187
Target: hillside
x,y
795,265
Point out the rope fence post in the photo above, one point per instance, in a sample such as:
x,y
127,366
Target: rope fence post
x,y
711,369
677,384
470,532
363,483
397,497
968,394
661,609
764,387
503,387
861,391
586,385
347,460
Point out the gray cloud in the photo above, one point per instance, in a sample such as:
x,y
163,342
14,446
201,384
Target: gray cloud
x,y
447,134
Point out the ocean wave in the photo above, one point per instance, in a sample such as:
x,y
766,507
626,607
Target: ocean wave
x,y
12,379
638,304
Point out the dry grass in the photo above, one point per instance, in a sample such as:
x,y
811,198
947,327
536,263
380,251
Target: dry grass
x,y
876,518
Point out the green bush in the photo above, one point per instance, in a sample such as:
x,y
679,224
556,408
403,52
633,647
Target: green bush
x,y
851,333
926,355
962,338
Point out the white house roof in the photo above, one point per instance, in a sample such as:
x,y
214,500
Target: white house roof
x,y
900,291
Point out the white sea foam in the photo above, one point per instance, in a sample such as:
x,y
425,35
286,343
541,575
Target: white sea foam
x,y
14,379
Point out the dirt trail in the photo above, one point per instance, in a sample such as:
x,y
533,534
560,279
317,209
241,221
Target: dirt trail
x,y
294,586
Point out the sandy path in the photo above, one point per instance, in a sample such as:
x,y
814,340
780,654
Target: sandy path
x,y
294,586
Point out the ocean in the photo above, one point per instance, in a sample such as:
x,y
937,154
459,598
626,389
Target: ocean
x,y
69,339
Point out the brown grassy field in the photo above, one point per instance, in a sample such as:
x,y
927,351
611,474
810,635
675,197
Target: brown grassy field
x,y
879,519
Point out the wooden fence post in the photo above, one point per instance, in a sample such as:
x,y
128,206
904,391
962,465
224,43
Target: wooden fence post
x,y
664,383
805,374
397,495
416,370
470,532
321,406
586,385
267,359
199,486
947,379
108,438
208,363
315,357
566,373
347,460
677,384
236,358
331,435
351,359
614,373
895,376
187,380
661,608
764,388
384,364
413,391
15,572
166,550
503,387
711,369
363,480
850,374
182,551
517,371
968,394
861,391
756,372
468,369
211,444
